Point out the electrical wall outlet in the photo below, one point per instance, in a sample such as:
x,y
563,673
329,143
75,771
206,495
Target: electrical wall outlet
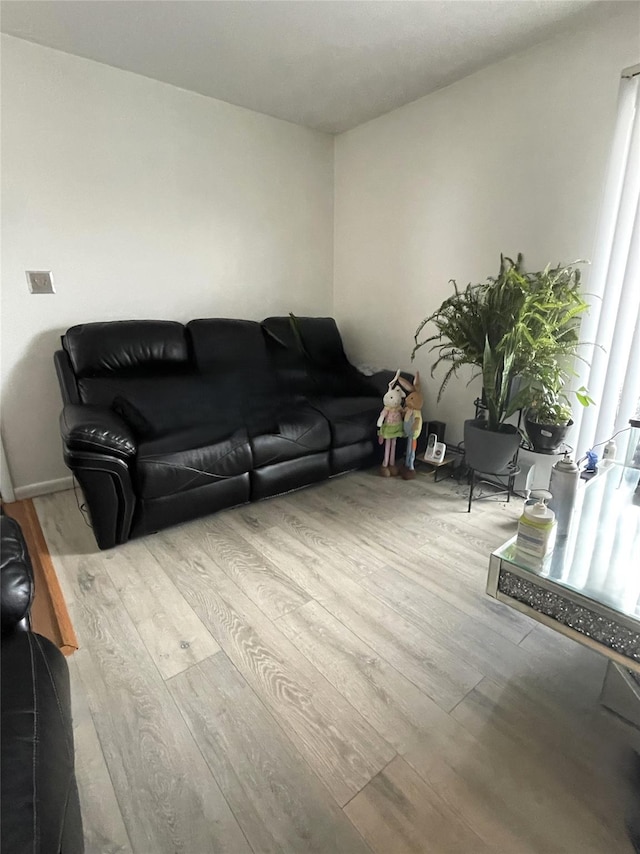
x,y
40,282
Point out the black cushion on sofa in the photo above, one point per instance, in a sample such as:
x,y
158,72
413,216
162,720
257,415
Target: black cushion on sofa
x,y
190,458
352,419
310,359
234,352
132,416
127,347
321,340
39,803
157,406
160,406
16,575
332,372
299,430
39,807
226,346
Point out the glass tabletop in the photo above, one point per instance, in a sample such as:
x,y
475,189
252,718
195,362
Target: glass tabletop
x,y
600,556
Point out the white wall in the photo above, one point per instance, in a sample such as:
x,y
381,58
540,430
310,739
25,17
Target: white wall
x,y
509,159
149,201
146,201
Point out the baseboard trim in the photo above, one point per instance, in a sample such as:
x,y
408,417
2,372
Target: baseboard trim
x,y
32,490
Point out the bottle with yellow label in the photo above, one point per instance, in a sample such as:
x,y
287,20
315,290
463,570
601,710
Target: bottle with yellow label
x,y
536,530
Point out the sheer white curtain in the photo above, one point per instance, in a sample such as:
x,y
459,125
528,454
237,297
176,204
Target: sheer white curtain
x,y
613,377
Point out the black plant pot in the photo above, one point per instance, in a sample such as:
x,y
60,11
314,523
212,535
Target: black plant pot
x,y
489,451
546,437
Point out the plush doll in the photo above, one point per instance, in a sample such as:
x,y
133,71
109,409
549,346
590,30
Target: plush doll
x,y
412,423
390,426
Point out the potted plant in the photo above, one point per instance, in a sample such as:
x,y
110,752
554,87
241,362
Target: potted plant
x,y
548,416
555,341
507,328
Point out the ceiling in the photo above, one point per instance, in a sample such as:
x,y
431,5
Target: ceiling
x,y
326,65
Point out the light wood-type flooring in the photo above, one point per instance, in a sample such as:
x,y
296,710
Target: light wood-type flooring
x,y
323,672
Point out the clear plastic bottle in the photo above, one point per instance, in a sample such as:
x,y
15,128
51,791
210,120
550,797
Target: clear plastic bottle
x,y
536,530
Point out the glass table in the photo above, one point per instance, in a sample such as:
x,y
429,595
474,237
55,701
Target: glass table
x,y
588,588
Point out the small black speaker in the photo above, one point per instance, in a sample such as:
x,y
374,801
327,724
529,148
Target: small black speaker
x,y
437,427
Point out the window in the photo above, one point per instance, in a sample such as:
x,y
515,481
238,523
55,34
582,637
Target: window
x,y
613,376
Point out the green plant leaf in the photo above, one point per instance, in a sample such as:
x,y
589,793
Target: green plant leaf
x,y
517,323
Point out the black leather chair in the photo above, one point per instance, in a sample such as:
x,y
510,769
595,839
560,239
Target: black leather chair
x,y
40,811
163,423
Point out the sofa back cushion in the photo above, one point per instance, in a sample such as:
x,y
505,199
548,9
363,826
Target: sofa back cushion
x,y
234,352
288,355
310,357
127,348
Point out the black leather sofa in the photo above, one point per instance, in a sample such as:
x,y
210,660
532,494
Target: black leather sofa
x,y
39,810
164,422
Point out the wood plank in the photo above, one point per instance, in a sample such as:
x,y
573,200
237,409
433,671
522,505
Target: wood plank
x,y
454,553
374,540
427,663
339,745
313,570
537,749
421,657
174,636
492,528
565,680
336,543
398,812
473,784
484,649
49,614
278,801
376,543
354,652
367,515
69,538
508,801
104,830
416,726
258,577
470,599
169,800
423,513
457,528
390,702
382,540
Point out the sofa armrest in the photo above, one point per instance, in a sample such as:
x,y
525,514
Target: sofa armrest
x,y
16,576
96,429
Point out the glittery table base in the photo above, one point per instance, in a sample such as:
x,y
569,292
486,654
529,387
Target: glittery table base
x,y
577,617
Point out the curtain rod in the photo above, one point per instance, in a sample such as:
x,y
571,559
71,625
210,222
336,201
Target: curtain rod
x,y
632,71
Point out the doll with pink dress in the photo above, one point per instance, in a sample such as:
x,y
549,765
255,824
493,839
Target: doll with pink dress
x,y
390,426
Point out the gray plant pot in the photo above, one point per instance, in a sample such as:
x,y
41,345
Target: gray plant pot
x,y
489,451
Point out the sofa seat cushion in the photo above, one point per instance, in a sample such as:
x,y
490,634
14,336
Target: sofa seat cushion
x,y
351,419
293,430
190,458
